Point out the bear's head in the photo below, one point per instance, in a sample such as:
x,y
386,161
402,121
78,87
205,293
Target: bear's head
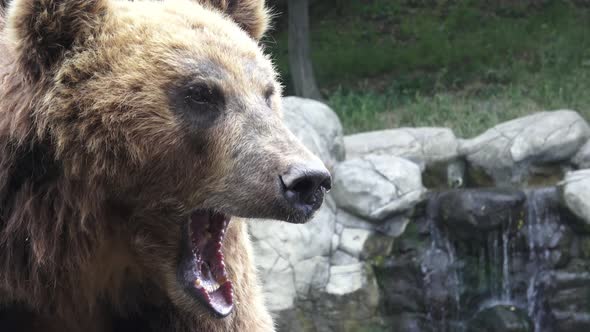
x,y
164,113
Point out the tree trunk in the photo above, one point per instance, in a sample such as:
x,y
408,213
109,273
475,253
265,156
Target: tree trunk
x,y
299,51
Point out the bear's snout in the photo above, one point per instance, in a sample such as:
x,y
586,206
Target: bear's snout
x,y
305,184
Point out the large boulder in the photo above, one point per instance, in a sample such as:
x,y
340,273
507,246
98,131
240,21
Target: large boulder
x,y
421,145
293,258
377,186
317,126
472,212
576,194
506,151
582,158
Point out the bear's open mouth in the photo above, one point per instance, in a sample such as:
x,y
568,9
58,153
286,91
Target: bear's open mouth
x,y
203,270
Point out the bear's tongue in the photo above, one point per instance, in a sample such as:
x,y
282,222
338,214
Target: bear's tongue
x,y
211,283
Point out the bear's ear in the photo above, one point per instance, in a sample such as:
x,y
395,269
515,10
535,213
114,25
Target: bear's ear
x,y
250,15
43,30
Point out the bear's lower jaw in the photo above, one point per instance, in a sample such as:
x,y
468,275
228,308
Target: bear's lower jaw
x,y
202,270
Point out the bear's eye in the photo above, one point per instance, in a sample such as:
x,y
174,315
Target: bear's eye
x,y
268,94
203,94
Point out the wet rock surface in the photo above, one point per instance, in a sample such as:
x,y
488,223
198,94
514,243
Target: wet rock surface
x,y
501,318
471,211
568,295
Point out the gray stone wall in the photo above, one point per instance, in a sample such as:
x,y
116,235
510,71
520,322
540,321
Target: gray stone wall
x,y
382,251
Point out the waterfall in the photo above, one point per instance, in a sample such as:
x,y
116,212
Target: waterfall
x,y
488,267
492,262
439,264
506,286
540,213
454,276
498,264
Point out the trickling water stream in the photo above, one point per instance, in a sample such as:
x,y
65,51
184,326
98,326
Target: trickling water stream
x,y
491,254
486,260
542,218
506,292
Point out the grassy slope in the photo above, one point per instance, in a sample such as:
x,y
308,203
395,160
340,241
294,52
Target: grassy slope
x,y
465,66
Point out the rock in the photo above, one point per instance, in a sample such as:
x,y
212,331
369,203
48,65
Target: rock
x,y
340,257
582,247
450,174
311,275
290,255
545,227
501,318
469,212
363,244
413,240
352,241
345,279
377,246
576,194
402,286
456,174
335,241
352,293
505,151
350,304
571,321
566,292
394,226
440,283
411,322
377,187
582,158
277,279
422,145
346,219
317,126
339,226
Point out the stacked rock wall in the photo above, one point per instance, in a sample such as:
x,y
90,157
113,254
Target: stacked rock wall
x,y
385,252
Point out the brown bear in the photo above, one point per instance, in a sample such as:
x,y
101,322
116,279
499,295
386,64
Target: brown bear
x,y
134,135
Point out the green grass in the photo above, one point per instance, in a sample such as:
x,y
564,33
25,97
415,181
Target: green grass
x,y
467,112
383,64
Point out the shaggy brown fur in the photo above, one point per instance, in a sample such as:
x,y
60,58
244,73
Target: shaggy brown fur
x,y
101,161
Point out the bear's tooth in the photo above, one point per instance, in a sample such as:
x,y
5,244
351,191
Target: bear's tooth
x,y
198,283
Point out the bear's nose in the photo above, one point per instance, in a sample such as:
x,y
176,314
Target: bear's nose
x,y
304,185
